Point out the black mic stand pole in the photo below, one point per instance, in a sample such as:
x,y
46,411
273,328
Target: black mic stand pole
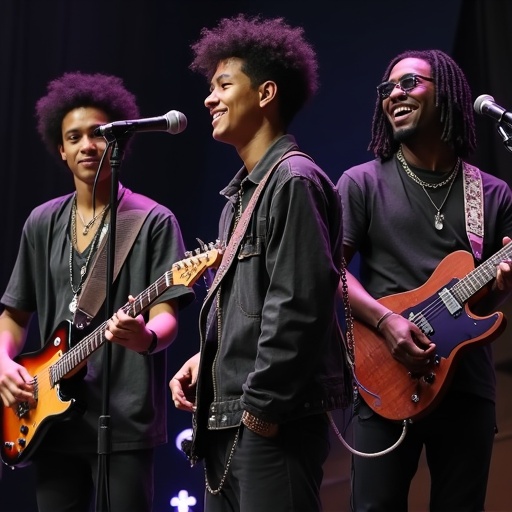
x,y
506,134
104,432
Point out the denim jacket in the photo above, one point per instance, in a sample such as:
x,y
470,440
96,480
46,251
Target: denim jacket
x,y
271,342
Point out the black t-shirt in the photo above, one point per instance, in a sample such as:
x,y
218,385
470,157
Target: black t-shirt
x,y
389,219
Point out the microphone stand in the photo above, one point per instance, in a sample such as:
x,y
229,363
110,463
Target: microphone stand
x,y
506,134
104,427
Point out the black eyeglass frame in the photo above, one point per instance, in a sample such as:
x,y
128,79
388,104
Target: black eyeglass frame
x,y
385,89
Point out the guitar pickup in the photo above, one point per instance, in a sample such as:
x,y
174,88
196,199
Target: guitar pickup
x,y
420,320
452,305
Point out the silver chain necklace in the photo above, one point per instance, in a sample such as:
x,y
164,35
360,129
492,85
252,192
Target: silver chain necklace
x,y
439,217
239,205
89,224
419,181
73,243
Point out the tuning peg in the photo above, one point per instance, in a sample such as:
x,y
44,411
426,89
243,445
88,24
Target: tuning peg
x,y
202,245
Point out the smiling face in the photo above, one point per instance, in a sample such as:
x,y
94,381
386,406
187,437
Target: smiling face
x,y
234,104
412,113
81,150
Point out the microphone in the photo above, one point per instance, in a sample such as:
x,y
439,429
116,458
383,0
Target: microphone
x,y
173,122
486,105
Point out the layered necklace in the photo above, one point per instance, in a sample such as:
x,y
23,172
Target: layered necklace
x,y
439,217
73,243
89,224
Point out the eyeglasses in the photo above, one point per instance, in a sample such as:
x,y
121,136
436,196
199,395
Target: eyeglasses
x,y
407,83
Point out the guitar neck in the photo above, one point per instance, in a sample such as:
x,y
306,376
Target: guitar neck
x,y
184,272
464,289
82,350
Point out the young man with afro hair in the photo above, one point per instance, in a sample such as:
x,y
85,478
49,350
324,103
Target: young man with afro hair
x,y
59,243
271,363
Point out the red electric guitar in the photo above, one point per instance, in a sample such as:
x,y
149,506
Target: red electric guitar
x,y
440,308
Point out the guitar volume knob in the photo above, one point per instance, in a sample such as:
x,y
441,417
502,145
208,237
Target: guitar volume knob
x,y
429,378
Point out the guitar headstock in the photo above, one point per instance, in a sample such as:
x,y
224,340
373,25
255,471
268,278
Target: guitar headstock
x,y
188,270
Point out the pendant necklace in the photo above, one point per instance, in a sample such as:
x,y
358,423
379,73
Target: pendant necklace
x,y
73,243
89,224
439,217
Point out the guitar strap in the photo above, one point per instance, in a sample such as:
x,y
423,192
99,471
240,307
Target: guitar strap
x,y
132,211
191,448
241,227
474,208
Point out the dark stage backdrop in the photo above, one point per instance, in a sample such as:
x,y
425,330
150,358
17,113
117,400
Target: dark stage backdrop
x,y
147,43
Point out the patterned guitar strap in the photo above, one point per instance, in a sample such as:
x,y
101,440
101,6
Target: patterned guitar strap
x,y
474,208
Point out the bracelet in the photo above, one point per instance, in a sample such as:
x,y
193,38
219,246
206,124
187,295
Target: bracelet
x,y
256,425
152,345
382,318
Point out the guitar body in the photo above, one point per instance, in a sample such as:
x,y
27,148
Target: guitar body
x,y
22,428
384,383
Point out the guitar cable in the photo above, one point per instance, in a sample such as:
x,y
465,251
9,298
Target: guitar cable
x,y
365,454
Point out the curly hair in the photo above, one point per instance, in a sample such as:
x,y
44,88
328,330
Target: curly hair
x,y
453,98
77,89
270,50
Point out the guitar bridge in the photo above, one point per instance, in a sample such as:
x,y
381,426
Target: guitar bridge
x,y
452,305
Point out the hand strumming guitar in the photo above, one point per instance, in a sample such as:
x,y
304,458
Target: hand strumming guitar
x,y
407,343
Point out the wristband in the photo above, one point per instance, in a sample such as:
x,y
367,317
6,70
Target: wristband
x,y
382,318
152,345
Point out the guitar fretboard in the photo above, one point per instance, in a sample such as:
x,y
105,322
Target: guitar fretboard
x,y
480,276
82,350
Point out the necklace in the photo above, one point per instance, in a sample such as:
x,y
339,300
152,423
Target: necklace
x,y
239,205
419,181
73,243
439,217
89,224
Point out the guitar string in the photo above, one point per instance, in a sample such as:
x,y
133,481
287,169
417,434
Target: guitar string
x,y
438,305
44,381
153,288
474,276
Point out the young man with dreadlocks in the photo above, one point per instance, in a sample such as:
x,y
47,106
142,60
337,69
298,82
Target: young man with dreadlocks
x,y
271,360
59,243
404,212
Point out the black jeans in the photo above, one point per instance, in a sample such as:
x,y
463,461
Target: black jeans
x,y
458,438
281,474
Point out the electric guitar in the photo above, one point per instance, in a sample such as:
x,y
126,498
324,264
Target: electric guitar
x,y
440,308
23,426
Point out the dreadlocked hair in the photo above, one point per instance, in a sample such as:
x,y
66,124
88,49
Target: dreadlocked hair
x,y
452,97
270,49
